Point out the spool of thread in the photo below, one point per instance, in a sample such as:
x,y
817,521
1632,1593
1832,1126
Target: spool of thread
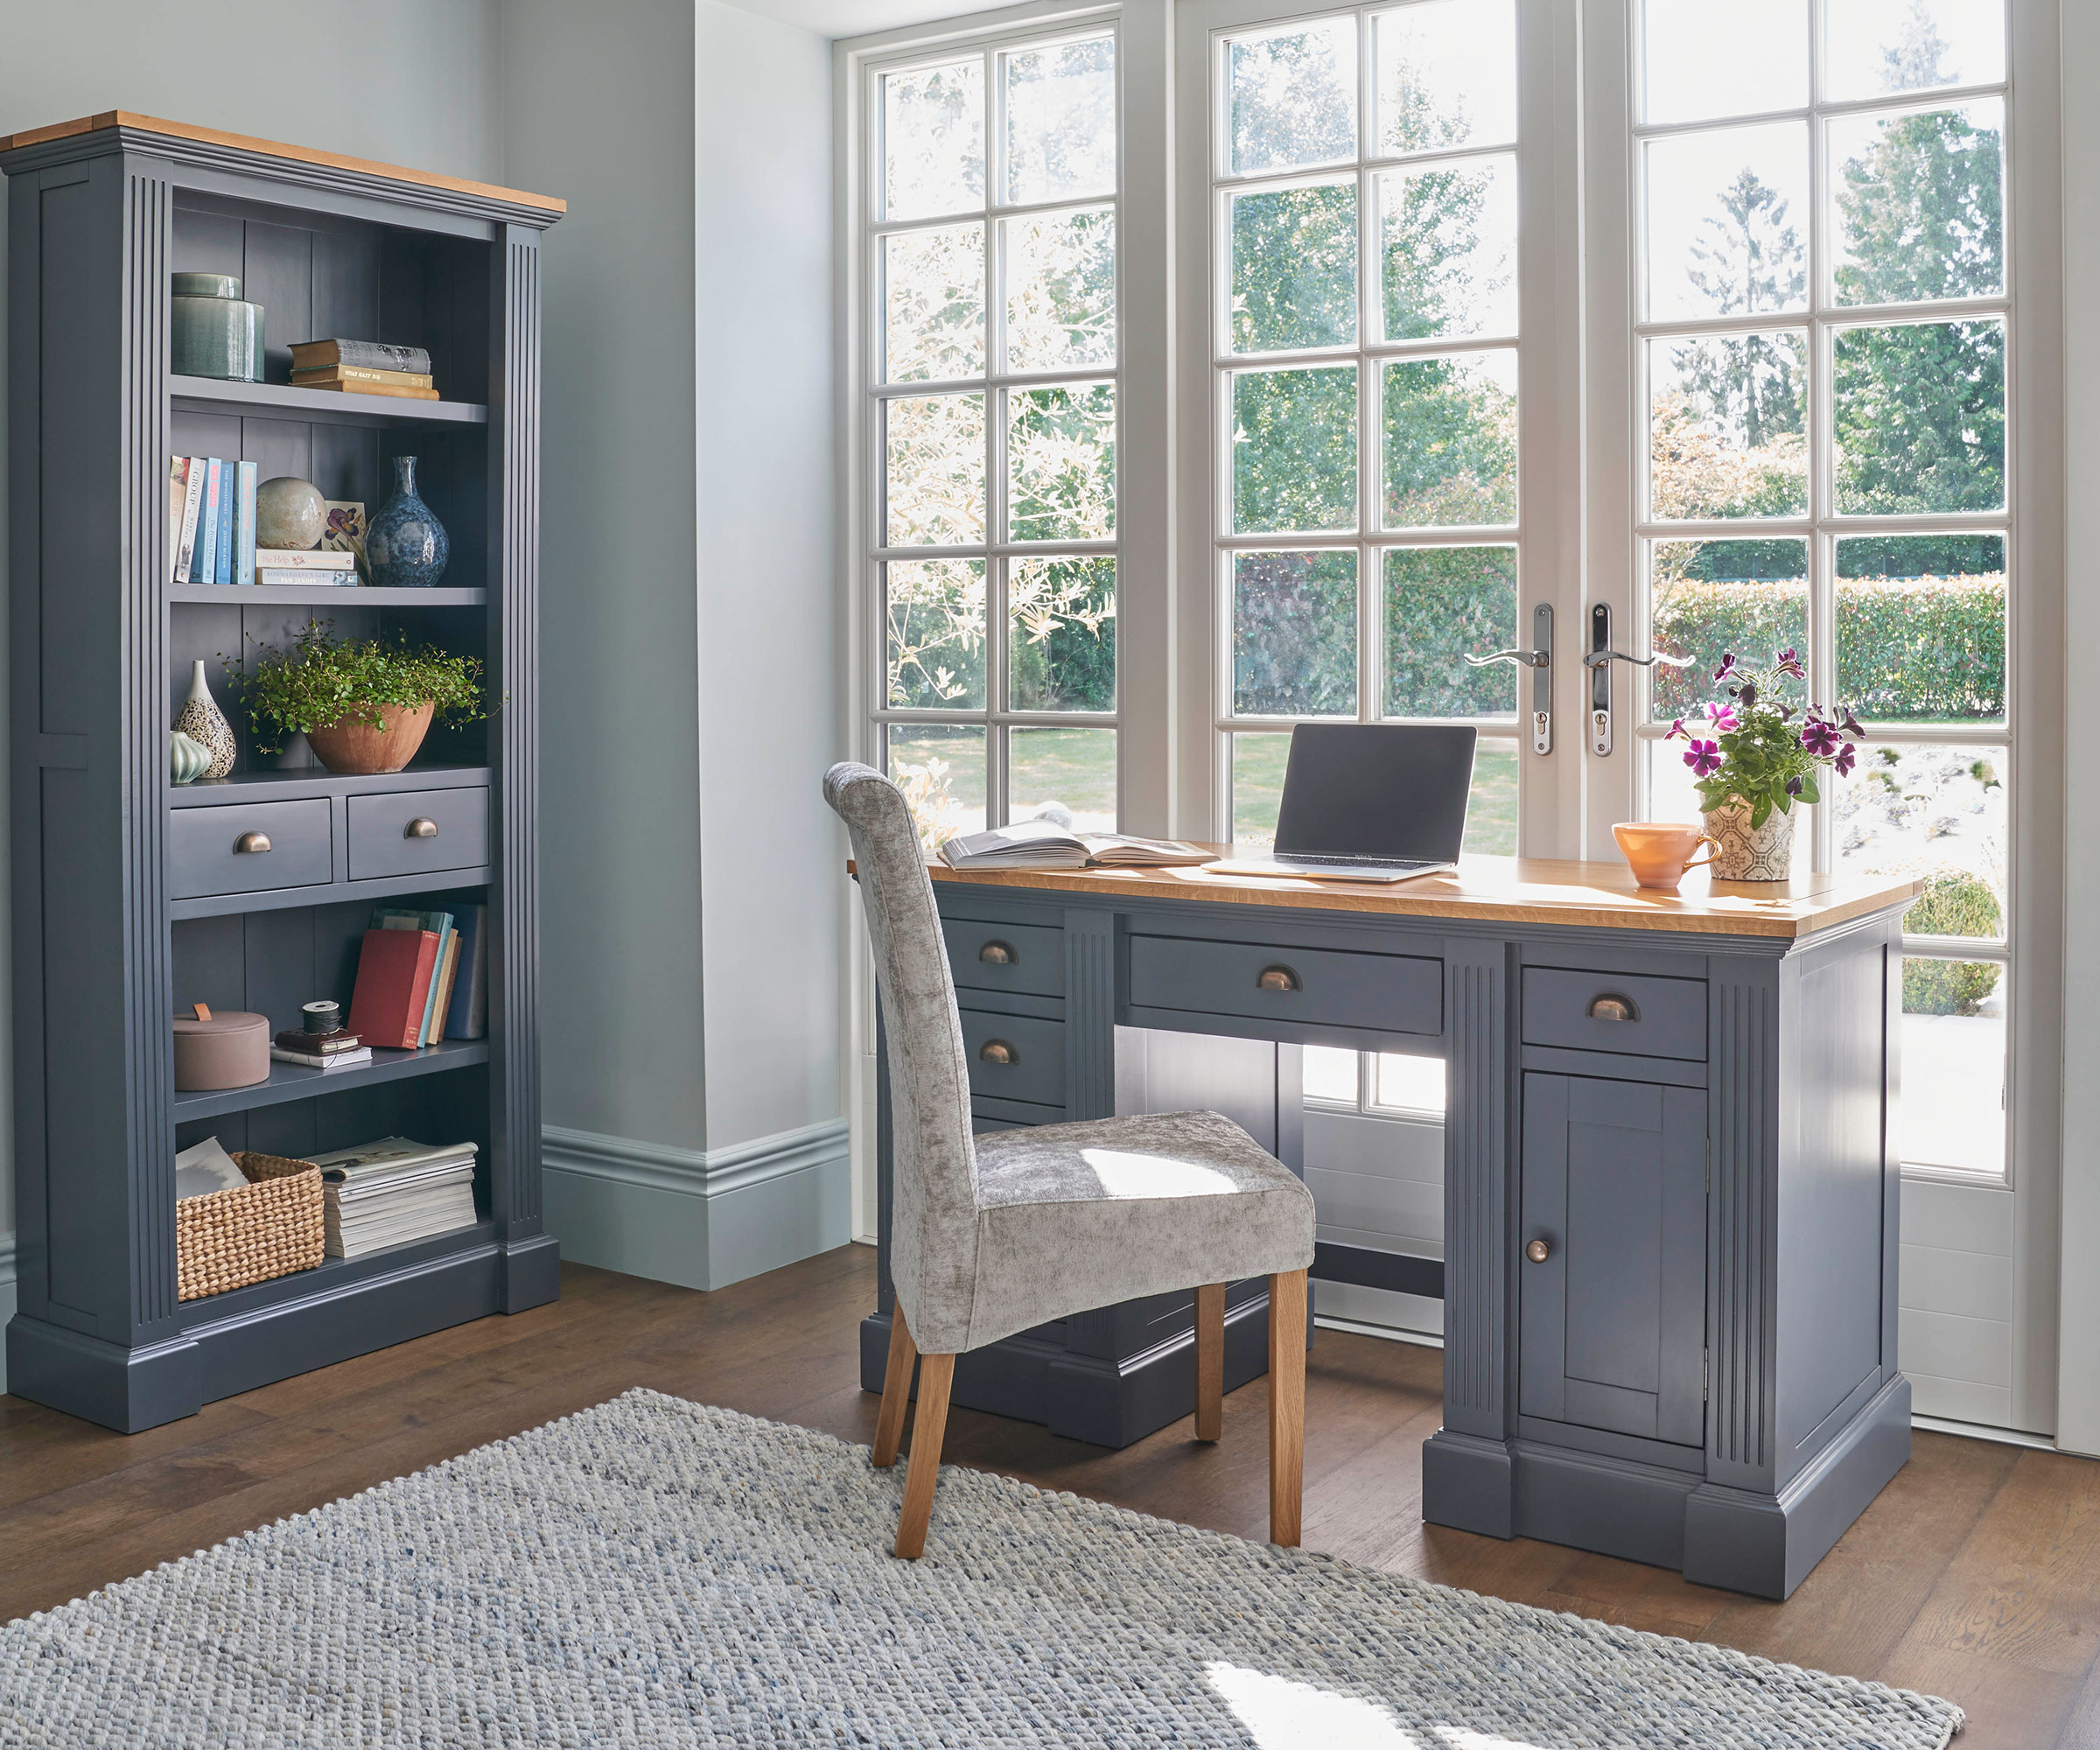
x,y
321,1018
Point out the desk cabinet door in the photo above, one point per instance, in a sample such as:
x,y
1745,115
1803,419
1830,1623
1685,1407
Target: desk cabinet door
x,y
1613,1319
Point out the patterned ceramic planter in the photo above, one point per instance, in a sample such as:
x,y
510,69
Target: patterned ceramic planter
x,y
1763,854
203,722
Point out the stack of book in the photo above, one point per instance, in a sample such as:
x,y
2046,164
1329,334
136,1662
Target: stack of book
x,y
421,978
319,565
363,367
211,519
393,1192
341,1049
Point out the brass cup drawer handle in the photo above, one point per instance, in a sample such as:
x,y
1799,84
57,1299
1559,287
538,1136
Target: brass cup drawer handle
x,y
1278,978
422,827
1614,1009
251,843
1539,1251
997,1050
998,954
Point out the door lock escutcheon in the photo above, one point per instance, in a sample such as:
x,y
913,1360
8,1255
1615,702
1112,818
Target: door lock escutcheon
x,y
1599,663
1539,660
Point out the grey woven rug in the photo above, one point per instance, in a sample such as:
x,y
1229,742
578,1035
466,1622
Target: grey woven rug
x,y
653,1572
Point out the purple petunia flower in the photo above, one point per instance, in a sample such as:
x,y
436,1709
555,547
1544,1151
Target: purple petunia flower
x,y
1676,731
1849,723
1726,669
1819,738
1721,719
1843,761
1703,757
1794,786
1789,663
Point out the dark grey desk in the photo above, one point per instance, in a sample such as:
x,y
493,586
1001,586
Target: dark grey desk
x,y
1671,1188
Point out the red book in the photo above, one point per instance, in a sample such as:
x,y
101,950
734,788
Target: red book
x,y
393,970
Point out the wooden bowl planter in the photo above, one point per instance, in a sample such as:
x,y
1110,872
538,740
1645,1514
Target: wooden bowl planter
x,y
348,747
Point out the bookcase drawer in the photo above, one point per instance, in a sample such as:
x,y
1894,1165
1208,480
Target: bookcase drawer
x,y
221,851
406,832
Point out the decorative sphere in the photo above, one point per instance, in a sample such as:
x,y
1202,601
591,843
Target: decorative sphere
x,y
290,514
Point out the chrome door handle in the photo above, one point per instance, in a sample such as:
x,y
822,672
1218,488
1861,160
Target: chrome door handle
x,y
1539,660
1599,663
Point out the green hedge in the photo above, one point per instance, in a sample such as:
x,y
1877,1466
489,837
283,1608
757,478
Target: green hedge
x,y
1909,650
1954,903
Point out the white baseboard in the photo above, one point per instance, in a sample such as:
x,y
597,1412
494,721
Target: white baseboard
x,y
7,1298
702,1218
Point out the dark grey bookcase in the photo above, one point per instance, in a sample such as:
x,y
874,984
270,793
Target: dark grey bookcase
x,y
119,918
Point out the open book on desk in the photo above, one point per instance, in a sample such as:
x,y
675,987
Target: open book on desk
x,y
1044,845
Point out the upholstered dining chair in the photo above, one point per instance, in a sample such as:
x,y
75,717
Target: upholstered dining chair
x,y
993,1235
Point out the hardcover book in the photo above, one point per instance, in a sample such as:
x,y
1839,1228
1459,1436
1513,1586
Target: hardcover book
x,y
204,558
192,502
271,576
355,376
222,553
371,355
468,1016
397,918
394,971
305,559
244,525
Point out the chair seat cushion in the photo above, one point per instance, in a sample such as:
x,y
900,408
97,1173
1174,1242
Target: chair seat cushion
x,y
1075,1216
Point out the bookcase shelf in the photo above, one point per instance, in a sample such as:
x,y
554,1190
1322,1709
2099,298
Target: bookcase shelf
x,y
101,650
296,1081
317,406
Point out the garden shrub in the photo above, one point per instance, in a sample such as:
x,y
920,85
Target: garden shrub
x,y
1954,902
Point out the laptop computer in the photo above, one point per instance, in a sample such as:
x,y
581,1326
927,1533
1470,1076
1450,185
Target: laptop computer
x,y
1371,801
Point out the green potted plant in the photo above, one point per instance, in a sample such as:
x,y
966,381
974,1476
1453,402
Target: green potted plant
x,y
363,705
1754,758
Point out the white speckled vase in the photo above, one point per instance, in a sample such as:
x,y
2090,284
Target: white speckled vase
x,y
1765,854
201,720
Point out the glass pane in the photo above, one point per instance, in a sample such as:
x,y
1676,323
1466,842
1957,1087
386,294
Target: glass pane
x,y
1294,635
1061,290
1922,627
933,463
1933,811
1725,426
1491,814
935,611
1258,789
1291,97
1708,599
1877,45
1446,74
1728,222
1671,792
1293,268
1443,604
932,303
1061,120
1920,414
1062,638
1294,450
933,140
1701,61
1448,249
1331,1074
940,769
1061,459
1451,441
1409,1084
1071,771
1953,1108
1918,204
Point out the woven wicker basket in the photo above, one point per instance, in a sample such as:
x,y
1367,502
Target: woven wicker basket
x,y
269,1227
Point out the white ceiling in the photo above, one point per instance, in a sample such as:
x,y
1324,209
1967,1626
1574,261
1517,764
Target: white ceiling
x,y
857,17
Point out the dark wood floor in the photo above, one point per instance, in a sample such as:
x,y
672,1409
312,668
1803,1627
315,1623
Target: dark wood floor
x,y
1975,1575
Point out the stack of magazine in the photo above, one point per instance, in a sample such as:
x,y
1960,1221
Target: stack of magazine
x,y
1046,844
393,1192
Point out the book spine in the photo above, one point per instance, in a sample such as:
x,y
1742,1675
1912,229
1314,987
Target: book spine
x,y
244,527
307,580
229,489
311,559
397,389
442,922
178,480
192,502
361,374
470,985
204,558
441,1005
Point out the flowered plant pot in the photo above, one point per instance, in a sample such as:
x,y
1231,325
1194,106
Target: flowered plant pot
x,y
1765,853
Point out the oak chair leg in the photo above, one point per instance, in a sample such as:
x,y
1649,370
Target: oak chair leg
x,y
896,1390
1210,1362
1286,1406
936,1374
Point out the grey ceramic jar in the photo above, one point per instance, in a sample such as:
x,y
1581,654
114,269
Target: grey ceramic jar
x,y
211,332
405,545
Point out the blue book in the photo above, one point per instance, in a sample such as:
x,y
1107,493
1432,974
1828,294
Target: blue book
x,y
203,565
229,489
467,1017
244,527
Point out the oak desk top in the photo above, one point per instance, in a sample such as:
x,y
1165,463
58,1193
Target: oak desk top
x,y
1514,889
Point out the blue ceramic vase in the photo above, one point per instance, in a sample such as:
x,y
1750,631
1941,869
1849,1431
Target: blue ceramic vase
x,y
405,546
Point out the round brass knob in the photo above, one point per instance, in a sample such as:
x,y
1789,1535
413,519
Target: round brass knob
x,y
1539,1251
421,827
251,843
1613,1009
1277,978
997,1050
998,954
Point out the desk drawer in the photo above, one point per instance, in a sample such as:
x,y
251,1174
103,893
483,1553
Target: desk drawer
x,y
1392,993
1035,1070
1667,1018
405,832
203,860
1025,957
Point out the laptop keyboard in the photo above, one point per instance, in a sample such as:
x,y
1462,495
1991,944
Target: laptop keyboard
x,y
1319,861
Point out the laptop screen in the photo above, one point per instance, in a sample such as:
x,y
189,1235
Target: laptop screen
x,y
1395,790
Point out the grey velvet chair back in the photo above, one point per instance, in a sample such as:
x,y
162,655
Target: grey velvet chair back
x,y
933,1215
